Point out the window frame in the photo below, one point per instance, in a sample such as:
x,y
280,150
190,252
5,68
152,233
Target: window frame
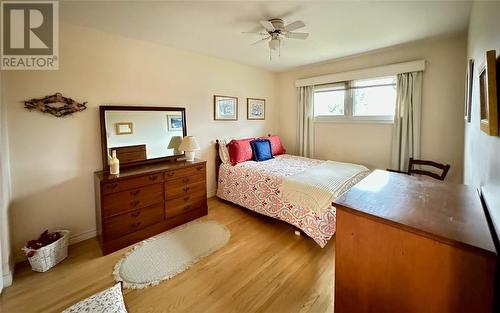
x,y
324,88
349,116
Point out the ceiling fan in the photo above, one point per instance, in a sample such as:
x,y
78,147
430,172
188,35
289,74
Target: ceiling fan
x,y
275,31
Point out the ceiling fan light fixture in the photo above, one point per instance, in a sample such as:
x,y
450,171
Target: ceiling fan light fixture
x,y
274,43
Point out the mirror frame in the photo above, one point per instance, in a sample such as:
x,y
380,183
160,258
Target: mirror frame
x,y
104,141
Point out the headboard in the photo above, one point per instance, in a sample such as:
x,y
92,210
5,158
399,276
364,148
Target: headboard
x,y
218,160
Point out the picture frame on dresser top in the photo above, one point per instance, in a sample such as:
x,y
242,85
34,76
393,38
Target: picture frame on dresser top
x,y
488,98
107,130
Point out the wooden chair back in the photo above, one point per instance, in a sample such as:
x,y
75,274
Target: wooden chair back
x,y
443,167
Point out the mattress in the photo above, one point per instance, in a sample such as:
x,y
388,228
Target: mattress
x,y
257,187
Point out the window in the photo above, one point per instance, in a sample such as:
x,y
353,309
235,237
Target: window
x,y
367,99
330,100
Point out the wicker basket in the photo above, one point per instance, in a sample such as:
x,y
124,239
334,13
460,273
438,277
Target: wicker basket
x,y
48,256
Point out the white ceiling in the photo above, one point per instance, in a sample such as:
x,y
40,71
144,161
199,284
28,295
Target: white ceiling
x,y
337,29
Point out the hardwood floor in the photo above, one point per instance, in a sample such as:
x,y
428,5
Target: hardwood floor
x,y
263,268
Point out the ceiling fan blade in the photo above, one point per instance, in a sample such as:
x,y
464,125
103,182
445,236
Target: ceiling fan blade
x,y
295,25
261,40
268,26
296,35
258,33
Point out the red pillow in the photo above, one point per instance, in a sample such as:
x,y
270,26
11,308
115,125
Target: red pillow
x,y
276,146
239,150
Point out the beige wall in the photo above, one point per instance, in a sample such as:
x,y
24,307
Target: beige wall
x,y
53,159
482,152
369,144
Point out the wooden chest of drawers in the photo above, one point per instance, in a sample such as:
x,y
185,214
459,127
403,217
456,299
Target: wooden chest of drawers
x,y
405,244
144,201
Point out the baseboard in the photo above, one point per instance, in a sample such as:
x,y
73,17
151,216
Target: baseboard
x,y
20,256
82,236
211,193
7,280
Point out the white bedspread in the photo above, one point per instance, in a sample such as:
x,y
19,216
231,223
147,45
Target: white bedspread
x,y
316,187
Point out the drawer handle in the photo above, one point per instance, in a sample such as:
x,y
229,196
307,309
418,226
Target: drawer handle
x,y
186,199
170,174
199,168
134,203
135,193
136,213
152,178
185,189
113,186
185,180
135,225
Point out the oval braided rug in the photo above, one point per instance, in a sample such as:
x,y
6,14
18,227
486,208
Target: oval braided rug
x,y
162,257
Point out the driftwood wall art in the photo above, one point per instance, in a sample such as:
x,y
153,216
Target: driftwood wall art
x,y
56,105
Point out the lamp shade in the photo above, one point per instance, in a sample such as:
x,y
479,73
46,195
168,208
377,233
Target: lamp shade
x,y
175,142
189,144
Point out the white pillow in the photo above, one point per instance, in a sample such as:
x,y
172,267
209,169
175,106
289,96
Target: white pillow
x,y
223,152
107,301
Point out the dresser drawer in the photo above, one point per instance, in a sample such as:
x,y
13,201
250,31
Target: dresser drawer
x,y
125,201
131,183
179,210
186,171
179,188
126,223
184,203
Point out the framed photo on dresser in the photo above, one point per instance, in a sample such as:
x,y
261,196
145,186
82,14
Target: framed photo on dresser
x,y
256,109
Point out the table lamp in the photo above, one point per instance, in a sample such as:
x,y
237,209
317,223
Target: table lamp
x,y
189,146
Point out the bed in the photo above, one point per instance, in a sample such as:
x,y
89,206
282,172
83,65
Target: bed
x,y
259,186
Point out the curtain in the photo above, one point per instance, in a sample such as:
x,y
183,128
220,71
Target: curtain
x,y
406,130
306,125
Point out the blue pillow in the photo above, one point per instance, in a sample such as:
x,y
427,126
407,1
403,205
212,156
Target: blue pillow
x,y
261,149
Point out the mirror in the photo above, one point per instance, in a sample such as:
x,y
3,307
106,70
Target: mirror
x,y
141,135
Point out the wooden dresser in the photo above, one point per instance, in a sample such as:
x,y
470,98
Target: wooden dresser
x,y
143,201
405,244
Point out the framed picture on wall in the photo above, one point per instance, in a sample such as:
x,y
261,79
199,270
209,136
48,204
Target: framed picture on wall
x,y
256,109
124,128
174,122
488,105
468,90
225,108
